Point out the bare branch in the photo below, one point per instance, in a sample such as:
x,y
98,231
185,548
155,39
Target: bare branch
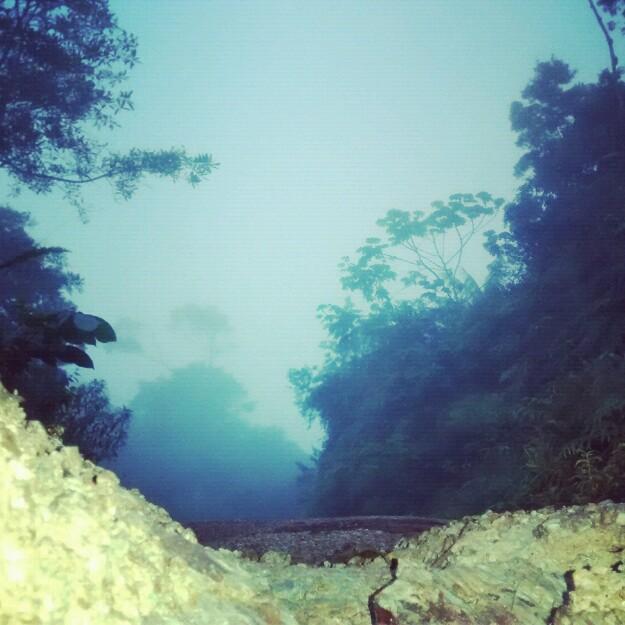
x,y
608,38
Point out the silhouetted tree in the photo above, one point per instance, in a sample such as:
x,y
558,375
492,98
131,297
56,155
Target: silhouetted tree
x,y
62,63
447,405
40,331
61,66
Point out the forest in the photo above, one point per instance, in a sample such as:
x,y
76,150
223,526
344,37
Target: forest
x,y
439,394
444,397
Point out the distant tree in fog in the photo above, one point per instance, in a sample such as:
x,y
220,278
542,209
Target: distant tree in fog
x,y
206,324
192,450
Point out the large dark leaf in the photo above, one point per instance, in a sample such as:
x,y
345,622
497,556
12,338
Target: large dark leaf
x,y
94,326
75,356
86,323
104,332
81,328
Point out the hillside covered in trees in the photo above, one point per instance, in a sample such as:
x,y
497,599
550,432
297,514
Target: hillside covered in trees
x,y
460,397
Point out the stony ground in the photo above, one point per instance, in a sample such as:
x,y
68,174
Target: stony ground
x,y
313,541
76,547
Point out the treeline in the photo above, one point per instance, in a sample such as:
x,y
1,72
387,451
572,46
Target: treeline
x,y
462,398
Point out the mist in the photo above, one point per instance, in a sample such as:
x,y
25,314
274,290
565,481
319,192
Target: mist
x,y
313,231
191,451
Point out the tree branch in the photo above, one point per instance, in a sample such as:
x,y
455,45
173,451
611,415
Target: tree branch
x,y
606,34
34,253
110,174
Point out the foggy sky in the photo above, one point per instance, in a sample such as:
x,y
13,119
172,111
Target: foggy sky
x,y
190,450
323,116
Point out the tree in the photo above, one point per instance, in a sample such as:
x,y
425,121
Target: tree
x,y
510,396
61,66
569,226
430,245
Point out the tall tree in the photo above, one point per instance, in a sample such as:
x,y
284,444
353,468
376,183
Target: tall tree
x,y
425,249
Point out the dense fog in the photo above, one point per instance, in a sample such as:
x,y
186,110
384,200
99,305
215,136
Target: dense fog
x,y
276,259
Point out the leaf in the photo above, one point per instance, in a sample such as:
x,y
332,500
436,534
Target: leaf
x,y
105,332
85,323
75,356
87,328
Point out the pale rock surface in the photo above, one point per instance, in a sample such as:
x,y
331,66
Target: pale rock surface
x,y
78,549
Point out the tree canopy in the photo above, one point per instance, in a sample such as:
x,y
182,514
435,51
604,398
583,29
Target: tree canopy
x,y
429,247
461,397
62,67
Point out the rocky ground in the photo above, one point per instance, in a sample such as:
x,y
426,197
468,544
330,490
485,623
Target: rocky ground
x,y
77,548
313,541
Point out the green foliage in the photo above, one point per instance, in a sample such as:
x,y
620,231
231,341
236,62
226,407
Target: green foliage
x,y
41,332
62,63
461,398
88,420
428,246
576,436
